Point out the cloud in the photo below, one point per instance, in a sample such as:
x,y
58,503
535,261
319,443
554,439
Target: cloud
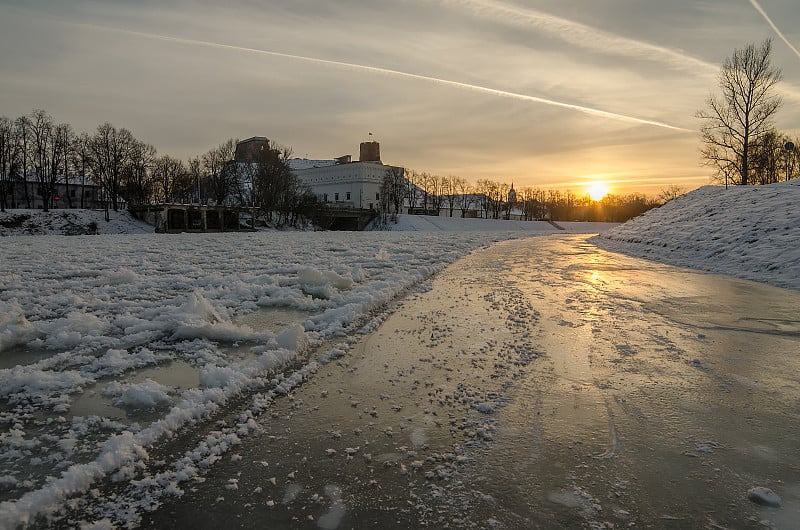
x,y
397,73
579,35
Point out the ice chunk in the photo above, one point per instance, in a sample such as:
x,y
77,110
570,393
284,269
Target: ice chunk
x,y
764,496
293,338
14,327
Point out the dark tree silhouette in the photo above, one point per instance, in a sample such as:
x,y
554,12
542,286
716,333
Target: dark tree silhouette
x,y
737,121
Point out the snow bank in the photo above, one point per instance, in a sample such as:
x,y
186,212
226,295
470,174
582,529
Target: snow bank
x,y
22,222
751,232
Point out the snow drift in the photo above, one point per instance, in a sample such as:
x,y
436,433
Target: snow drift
x,y
752,232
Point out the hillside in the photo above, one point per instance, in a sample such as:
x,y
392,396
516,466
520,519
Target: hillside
x,y
69,222
751,232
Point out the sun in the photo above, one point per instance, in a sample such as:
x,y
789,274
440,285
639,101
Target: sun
x,y
597,191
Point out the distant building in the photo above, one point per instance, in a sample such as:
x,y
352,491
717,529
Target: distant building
x,y
73,192
342,182
512,195
249,150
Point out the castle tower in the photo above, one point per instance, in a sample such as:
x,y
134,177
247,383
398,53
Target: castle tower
x,y
370,152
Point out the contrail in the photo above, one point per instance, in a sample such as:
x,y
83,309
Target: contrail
x,y
758,8
395,73
580,35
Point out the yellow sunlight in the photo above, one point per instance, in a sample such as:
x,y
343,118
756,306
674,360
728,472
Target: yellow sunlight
x,y
597,191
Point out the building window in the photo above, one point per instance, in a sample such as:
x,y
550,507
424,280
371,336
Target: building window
x,y
348,195
325,198
336,197
72,193
377,195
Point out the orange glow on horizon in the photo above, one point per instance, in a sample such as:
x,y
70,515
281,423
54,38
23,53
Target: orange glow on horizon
x,y
597,191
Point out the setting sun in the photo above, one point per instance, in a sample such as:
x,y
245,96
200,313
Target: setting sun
x,y
597,191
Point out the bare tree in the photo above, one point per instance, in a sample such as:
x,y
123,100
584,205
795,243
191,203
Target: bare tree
x,y
424,182
450,192
22,133
275,187
771,160
138,179
170,178
413,185
735,123
466,197
7,160
65,136
48,146
111,152
437,187
195,174
81,161
393,192
533,204
669,193
219,179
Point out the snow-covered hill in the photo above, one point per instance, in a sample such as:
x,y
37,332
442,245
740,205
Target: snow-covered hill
x,y
69,222
751,232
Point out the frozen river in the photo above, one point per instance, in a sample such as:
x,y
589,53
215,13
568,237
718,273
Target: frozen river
x,y
535,384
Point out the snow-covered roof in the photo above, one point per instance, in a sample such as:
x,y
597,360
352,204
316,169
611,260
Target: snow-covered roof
x,y
298,164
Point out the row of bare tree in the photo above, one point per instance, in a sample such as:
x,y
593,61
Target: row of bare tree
x,y
35,148
490,199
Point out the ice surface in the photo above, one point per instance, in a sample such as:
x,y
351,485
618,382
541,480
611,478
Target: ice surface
x,y
110,309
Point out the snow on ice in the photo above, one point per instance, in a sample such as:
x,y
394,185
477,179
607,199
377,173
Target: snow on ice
x,y
83,316
91,317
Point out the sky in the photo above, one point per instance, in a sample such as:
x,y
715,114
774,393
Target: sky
x,y
548,93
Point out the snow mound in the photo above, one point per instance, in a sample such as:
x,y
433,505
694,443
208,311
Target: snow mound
x,y
147,394
70,222
14,327
323,284
293,338
752,232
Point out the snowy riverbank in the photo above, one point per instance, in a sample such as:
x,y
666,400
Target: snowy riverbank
x,y
752,232
22,222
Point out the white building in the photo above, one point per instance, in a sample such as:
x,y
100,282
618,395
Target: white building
x,y
341,182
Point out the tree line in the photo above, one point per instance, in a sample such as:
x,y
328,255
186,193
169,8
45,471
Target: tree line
x,y
35,148
490,199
